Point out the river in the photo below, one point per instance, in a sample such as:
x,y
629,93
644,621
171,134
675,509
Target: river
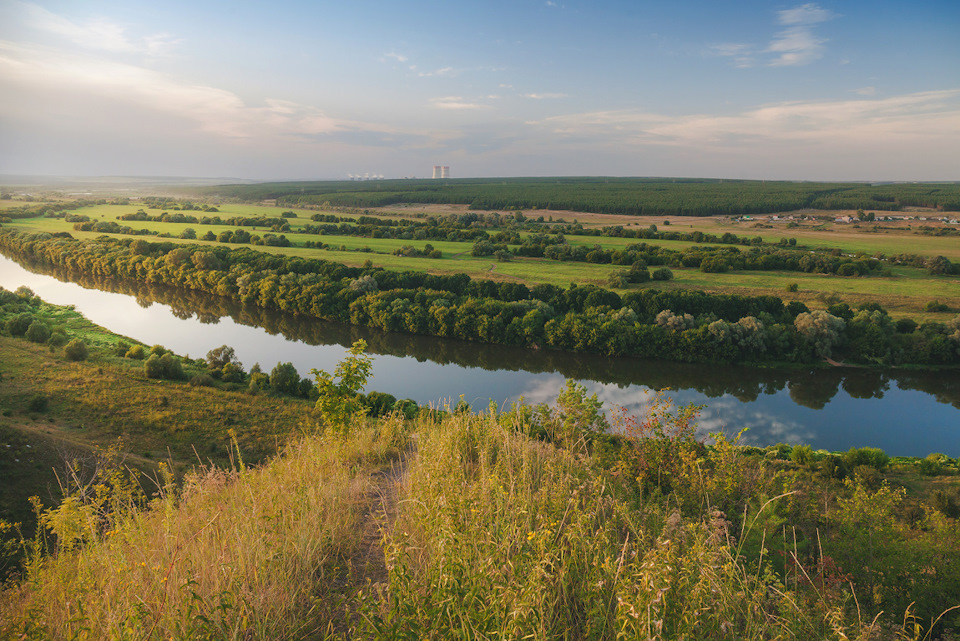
x,y
906,413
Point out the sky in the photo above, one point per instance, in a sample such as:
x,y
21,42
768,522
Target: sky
x,y
314,90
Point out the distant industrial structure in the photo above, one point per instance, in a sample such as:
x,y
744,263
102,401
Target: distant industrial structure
x,y
440,171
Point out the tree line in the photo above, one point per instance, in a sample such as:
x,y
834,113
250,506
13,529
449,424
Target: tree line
x,y
679,325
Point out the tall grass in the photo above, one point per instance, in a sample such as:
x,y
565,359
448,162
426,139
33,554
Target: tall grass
x,y
503,537
242,554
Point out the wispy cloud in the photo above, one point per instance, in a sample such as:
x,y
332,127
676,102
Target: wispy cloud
x,y
455,102
866,91
545,96
211,110
796,45
442,72
399,57
96,34
911,118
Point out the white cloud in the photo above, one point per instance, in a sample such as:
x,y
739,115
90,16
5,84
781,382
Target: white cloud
x,y
445,71
96,33
866,91
212,110
913,118
795,46
399,57
455,103
798,45
806,14
545,96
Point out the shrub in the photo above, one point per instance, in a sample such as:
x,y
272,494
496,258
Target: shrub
x,y
663,273
75,350
122,348
932,464
19,324
202,380
801,454
936,306
152,367
58,338
379,403
793,287
866,456
136,352
38,332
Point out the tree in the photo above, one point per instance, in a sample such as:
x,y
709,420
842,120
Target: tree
x,y
75,350
821,330
284,378
220,356
338,401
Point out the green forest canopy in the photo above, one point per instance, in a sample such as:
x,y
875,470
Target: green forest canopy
x,y
632,196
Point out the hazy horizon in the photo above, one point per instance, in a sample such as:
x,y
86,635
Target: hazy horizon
x,y
820,91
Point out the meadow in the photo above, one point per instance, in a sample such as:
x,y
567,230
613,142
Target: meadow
x,y
904,290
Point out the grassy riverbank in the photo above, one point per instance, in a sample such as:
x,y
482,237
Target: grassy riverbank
x,y
530,522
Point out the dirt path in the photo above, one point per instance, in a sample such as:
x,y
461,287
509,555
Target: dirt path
x,y
368,561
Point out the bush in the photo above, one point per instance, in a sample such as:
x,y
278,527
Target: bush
x,y
866,456
932,464
936,306
202,380
801,454
38,332
136,352
379,403
793,287
19,324
663,273
75,350
122,348
58,338
152,367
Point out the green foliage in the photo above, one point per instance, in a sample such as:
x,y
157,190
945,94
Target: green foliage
x,y
338,401
19,324
285,379
872,457
932,464
58,338
76,350
801,454
38,332
662,273
166,366
136,352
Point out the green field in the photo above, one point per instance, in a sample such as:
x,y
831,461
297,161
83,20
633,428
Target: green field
x,y
905,291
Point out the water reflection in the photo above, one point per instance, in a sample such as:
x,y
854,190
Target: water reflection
x,y
827,408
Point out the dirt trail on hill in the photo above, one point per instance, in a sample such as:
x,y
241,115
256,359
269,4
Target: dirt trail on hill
x,y
379,511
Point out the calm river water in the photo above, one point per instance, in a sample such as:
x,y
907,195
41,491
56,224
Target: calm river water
x,y
905,413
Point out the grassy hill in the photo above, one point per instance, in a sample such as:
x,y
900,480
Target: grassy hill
x,y
535,522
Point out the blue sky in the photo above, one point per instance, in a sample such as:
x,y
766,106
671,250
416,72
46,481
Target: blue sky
x,y
846,90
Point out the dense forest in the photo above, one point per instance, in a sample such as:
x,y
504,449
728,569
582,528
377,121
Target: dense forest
x,y
632,196
679,325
